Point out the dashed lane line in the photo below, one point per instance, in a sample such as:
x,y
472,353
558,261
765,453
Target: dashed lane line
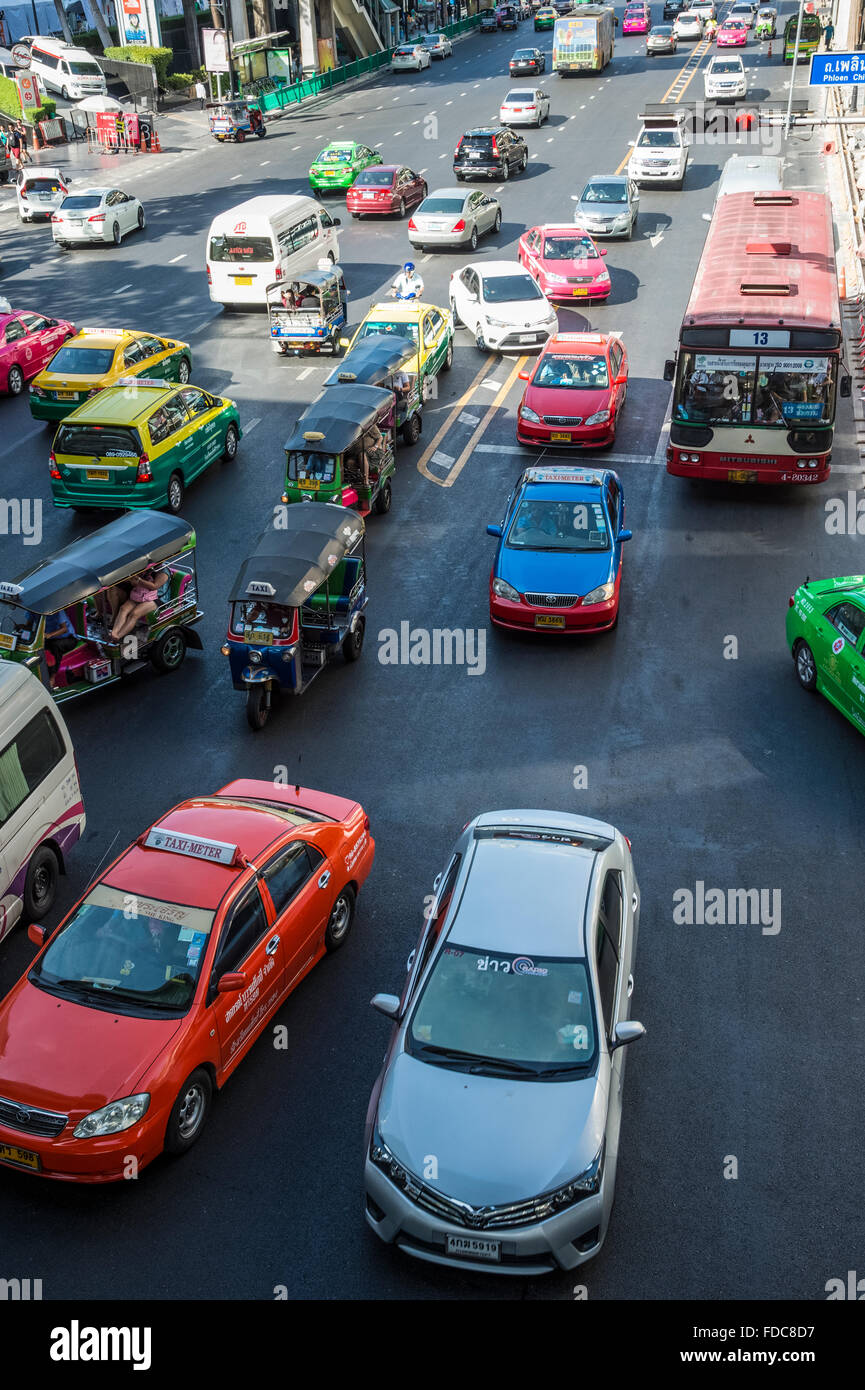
x,y
451,417
481,429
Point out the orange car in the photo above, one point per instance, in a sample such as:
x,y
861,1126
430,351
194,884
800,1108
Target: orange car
x,y
167,970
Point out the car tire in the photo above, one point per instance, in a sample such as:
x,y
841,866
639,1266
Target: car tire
x,y
356,216
458,323
400,212
189,1113
340,921
411,429
15,381
473,239
506,172
229,452
40,885
382,505
806,666
169,651
524,163
497,225
425,193
449,356
174,494
64,92
480,341
115,234
459,177
258,707
240,137
184,371
353,643
142,220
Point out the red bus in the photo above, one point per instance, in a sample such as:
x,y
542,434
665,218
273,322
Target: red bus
x,y
759,357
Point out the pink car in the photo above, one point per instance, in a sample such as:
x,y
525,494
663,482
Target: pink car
x,y
28,341
637,20
733,33
565,262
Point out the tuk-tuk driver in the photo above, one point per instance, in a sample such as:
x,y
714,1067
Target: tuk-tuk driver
x,y
401,383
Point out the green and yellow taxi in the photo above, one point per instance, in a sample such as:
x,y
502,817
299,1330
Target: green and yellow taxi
x,y
98,357
428,328
825,626
545,18
140,444
339,163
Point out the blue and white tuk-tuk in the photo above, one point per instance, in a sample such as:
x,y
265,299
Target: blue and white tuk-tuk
x,y
308,313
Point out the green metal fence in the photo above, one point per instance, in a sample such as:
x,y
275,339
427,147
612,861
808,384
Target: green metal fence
x,y
323,81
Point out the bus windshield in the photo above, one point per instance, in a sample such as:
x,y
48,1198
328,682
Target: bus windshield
x,y
745,389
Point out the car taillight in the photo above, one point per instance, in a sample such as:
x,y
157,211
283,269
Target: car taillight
x,y
459,226
53,470
55,217
495,148
459,142
366,822
278,272
209,276
791,600
144,474
411,225
97,217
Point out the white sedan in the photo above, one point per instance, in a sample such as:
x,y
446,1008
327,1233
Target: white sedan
x,y
40,191
439,45
688,25
411,57
503,306
525,106
96,214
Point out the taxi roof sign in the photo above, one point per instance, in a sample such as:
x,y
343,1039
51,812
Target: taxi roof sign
x,y
561,474
106,332
193,846
142,381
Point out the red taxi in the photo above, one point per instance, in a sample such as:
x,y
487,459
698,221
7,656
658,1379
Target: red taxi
x,y
565,262
733,33
575,392
27,341
385,188
161,978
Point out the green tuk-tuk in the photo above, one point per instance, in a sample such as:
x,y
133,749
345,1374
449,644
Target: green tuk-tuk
x,y
57,619
342,449
809,38
385,361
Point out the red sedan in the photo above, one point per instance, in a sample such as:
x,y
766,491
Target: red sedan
x,y
565,262
575,392
385,188
27,342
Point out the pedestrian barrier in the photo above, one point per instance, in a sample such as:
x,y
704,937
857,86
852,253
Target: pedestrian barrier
x,y
53,132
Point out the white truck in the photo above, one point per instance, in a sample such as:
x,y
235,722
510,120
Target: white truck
x,y
660,151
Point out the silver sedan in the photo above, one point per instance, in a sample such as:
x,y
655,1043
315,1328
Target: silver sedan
x,y
525,106
492,1133
452,217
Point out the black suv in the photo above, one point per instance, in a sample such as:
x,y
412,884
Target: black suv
x,y
493,153
673,8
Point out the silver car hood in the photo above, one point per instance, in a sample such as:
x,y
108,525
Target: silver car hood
x,y
494,1140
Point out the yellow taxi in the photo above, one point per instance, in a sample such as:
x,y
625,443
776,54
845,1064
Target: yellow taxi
x,y
428,328
98,357
140,444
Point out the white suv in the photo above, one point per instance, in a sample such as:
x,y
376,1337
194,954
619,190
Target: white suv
x,y
660,151
725,78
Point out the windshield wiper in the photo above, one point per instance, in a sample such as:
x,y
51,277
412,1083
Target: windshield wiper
x,y
478,1060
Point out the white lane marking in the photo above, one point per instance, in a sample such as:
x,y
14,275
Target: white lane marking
x,y
297,147
31,434
251,424
396,133
583,107
263,162
307,371
443,156
120,288
161,213
443,460
341,127
234,177
201,326
555,457
493,386
550,139
415,122
475,86
175,259
425,258
500,187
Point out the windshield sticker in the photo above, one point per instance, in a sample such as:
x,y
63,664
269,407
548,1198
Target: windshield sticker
x,y
523,965
707,362
120,900
793,364
575,996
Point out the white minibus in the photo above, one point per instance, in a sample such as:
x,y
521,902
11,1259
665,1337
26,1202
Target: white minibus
x,y
263,240
73,72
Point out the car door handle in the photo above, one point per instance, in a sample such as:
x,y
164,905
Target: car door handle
x,y
633,902
630,985
324,880
272,946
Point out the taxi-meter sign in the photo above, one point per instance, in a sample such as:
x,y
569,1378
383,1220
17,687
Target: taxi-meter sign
x,y
28,90
21,54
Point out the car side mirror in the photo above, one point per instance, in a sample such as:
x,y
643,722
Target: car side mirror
x,y
626,1032
494,531
337,222
624,535
621,379
524,375
669,370
602,250
437,880
37,934
632,143
387,1004
231,982
845,387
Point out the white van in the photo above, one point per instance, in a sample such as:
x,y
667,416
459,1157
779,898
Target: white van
x,y
751,173
41,810
263,240
73,72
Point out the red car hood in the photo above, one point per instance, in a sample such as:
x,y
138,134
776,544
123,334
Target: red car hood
x,y
66,1056
564,400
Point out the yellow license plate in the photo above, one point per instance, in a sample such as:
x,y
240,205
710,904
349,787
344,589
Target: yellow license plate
x,y
9,1153
741,475
579,291
7,643
548,620
66,395
311,484
243,279
560,437
97,475
258,638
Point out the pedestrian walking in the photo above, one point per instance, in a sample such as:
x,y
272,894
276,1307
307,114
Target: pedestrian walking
x,y
829,34
13,145
22,136
201,93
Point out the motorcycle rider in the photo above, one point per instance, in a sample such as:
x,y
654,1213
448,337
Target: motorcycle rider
x,y
408,284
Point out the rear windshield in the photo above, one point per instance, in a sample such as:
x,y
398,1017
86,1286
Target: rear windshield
x,y
476,142
441,205
98,441
519,96
242,249
42,186
524,55
375,178
81,200
337,156
81,361
83,68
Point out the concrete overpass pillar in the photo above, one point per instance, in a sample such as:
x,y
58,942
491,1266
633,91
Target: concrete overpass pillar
x,y
308,35
239,24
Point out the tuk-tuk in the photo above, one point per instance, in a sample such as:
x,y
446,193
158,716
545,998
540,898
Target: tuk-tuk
x,y
297,602
58,618
764,24
342,449
384,361
234,119
306,314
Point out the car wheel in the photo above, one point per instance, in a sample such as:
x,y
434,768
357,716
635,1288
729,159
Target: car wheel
x,y
806,666
506,172
473,239
175,493
459,177
480,341
258,704
115,234
425,193
449,356
40,885
497,225
229,453
524,162
169,651
141,219
189,1113
340,921
458,323
183,371
411,429
15,381
383,500
240,137
64,92
353,644
356,216
400,212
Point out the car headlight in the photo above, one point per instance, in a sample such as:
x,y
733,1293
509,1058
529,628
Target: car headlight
x,y
497,323
382,1157
601,594
503,589
602,277
526,413
559,279
111,1119
600,417
588,1184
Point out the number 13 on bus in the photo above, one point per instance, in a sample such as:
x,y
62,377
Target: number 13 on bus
x,y
759,365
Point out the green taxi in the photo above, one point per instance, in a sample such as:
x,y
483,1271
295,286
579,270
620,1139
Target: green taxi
x,y
545,18
339,163
140,444
825,623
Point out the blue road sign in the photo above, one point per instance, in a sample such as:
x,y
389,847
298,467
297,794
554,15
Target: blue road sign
x,y
836,69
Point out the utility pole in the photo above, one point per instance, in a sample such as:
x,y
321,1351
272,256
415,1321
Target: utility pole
x,y
788,121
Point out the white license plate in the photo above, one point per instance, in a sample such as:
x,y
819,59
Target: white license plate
x,y
474,1248
369,195
473,154
527,337
75,221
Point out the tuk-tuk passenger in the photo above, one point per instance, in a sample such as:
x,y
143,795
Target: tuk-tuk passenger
x,y
373,451
291,295
143,599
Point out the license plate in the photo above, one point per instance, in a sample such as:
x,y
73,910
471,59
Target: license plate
x,y
10,1153
243,279
474,1248
311,484
66,395
580,291
549,620
560,437
75,221
473,154
97,475
527,337
7,644
258,638
741,475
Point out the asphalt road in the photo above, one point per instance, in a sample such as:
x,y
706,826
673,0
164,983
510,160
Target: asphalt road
x,y
718,770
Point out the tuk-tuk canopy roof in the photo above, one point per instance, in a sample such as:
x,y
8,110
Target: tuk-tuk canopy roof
x,y
322,279
374,359
117,551
340,417
290,562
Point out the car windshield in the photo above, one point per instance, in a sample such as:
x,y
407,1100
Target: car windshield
x,y
241,248
401,330
721,388
505,289
258,621
81,361
120,947
375,178
658,139
722,65
569,248
482,1010
441,205
339,156
549,524
83,69
604,193
80,201
305,465
580,373
21,623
